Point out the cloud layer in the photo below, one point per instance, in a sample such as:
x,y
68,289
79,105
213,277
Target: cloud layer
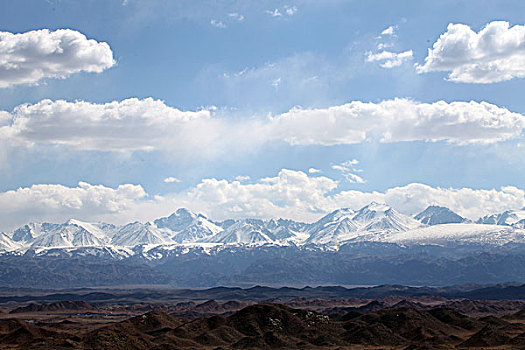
x,y
128,125
496,53
27,58
400,120
148,124
290,194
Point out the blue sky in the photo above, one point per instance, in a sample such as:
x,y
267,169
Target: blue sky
x,y
246,62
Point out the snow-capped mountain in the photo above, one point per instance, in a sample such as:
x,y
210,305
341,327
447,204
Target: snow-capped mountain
x,y
381,217
73,233
514,218
334,227
375,222
137,233
243,232
345,224
29,232
435,215
187,227
459,233
6,243
283,230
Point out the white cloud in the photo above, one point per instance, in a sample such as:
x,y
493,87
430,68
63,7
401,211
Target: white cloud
x,y
468,202
295,195
274,13
289,194
399,120
314,171
148,124
389,31
390,59
236,16
382,46
59,203
171,179
285,10
242,178
127,125
290,10
27,58
496,53
217,23
349,169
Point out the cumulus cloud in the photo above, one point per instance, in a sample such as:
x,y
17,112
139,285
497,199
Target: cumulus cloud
x,y
470,203
389,31
390,59
127,125
349,169
27,58
314,171
148,124
290,194
58,203
296,195
400,120
242,178
171,179
496,53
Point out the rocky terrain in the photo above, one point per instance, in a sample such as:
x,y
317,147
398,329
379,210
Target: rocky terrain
x,y
407,324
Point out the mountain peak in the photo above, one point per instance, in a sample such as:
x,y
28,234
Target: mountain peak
x,y
436,215
74,222
184,212
376,206
507,218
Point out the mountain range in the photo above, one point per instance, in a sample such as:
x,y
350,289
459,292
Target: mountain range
x,y
372,245
374,222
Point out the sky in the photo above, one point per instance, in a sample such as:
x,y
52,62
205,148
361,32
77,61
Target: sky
x,y
124,110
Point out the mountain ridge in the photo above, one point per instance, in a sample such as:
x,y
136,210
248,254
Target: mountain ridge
x,y
375,222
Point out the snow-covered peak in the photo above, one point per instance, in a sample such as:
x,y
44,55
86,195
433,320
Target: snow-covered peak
x,y
381,217
243,232
345,224
136,233
179,220
29,232
333,217
507,218
183,212
183,226
376,206
6,243
99,230
372,211
435,215
70,234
